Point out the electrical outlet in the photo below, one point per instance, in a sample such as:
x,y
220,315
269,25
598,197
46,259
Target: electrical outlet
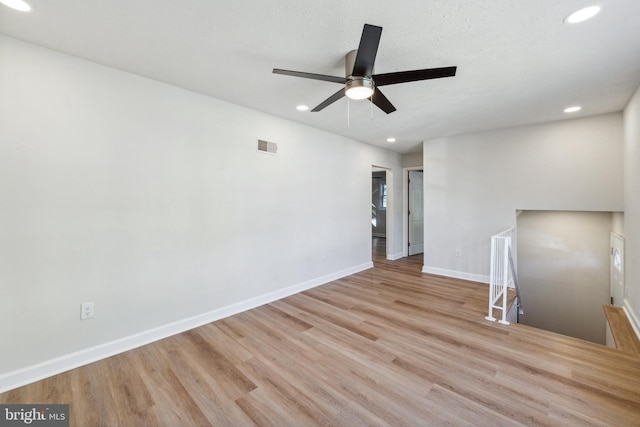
x,y
86,310
458,253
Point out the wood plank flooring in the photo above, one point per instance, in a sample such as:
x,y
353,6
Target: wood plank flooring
x,y
624,336
389,346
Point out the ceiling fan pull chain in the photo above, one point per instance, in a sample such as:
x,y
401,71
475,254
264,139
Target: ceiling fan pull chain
x,y
348,114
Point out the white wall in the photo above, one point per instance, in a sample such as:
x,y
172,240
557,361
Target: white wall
x,y
617,223
412,160
153,202
632,207
474,184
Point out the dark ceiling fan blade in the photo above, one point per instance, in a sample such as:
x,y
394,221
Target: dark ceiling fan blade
x,y
413,76
366,56
382,102
330,100
313,76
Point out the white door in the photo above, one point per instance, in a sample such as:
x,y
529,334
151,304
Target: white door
x,y
617,269
416,213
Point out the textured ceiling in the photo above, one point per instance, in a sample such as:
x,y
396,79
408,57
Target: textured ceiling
x,y
517,61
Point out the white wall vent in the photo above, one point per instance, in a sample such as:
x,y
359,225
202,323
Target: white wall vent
x,y
267,147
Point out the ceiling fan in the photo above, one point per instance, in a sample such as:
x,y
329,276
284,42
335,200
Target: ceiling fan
x,y
360,82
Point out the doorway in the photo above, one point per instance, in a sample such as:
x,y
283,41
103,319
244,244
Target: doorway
x,y
379,201
413,211
563,271
416,212
381,212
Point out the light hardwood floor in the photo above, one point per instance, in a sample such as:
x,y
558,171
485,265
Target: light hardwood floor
x,y
623,334
388,346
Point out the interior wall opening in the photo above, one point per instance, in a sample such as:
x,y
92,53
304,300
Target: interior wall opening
x,y
564,271
379,207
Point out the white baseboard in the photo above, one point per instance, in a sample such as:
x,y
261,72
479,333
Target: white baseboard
x,y
393,257
455,274
74,360
631,315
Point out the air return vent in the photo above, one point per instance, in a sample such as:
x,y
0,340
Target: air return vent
x,y
267,147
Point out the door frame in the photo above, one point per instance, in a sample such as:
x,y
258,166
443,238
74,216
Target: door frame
x,y
405,207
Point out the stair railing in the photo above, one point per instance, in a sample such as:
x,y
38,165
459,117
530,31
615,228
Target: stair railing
x,y
502,275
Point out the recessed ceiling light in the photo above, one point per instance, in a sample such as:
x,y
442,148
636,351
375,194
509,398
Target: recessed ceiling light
x,y
572,109
582,15
17,5
302,107
391,140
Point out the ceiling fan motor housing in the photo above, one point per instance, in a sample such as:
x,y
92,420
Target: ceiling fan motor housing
x,y
356,87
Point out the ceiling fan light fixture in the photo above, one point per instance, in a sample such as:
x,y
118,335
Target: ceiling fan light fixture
x,y
359,88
